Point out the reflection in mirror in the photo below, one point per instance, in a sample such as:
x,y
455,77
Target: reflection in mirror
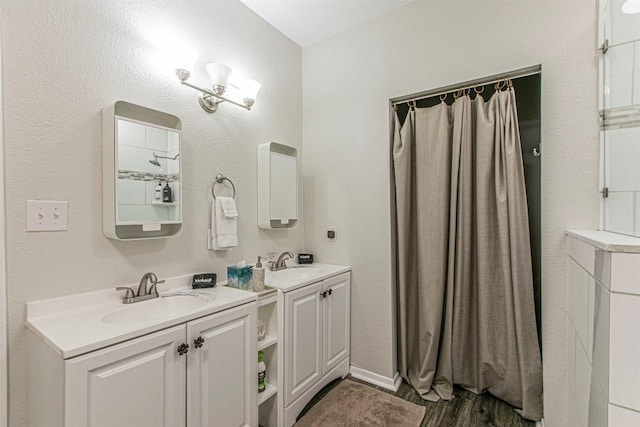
x,y
283,188
148,171
277,186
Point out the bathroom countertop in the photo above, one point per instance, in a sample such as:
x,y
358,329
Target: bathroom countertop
x,y
607,241
74,325
327,270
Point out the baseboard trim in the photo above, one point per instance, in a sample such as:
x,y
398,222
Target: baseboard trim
x,y
376,379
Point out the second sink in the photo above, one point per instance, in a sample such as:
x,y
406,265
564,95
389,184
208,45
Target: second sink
x,y
296,273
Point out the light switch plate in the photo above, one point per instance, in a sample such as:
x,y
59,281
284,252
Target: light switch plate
x,y
47,215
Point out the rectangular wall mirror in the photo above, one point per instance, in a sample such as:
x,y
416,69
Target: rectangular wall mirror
x,y
142,165
277,186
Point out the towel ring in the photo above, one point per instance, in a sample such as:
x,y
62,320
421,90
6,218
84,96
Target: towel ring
x,y
219,180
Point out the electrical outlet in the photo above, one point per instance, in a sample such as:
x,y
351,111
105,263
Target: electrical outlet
x,y
47,215
332,233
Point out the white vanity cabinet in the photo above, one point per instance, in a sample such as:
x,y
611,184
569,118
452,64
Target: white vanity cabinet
x,y
317,340
146,382
303,328
222,374
138,383
336,324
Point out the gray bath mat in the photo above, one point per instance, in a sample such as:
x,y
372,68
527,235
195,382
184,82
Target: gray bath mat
x,y
353,404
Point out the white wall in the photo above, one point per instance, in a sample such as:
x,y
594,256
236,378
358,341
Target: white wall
x,y
65,61
348,81
3,275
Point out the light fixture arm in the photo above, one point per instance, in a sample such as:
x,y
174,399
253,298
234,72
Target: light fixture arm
x,y
209,101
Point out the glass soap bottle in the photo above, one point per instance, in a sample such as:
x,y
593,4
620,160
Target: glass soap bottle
x,y
258,276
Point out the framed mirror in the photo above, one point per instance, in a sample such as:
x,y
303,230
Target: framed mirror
x,y
142,173
277,186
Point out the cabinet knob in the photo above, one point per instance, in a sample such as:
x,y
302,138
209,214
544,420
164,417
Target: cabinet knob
x,y
198,342
183,348
323,294
330,291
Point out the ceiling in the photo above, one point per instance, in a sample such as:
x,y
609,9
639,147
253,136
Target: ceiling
x,y
308,21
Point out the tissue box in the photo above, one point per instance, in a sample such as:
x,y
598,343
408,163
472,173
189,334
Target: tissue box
x,y
239,277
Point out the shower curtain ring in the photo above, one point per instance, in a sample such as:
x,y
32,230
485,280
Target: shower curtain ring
x,y
467,92
478,92
443,97
412,104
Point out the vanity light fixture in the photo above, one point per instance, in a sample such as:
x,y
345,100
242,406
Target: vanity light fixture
x,y
221,78
631,7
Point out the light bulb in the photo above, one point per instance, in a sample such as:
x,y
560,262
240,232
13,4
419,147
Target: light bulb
x,y
248,89
181,57
219,75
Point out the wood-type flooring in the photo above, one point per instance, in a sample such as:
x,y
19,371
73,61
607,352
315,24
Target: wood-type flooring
x,y
465,410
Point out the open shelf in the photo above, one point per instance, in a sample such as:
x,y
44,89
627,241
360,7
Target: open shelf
x,y
159,203
269,391
268,341
268,299
270,401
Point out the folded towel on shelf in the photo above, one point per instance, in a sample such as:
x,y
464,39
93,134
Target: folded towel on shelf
x,y
224,231
228,206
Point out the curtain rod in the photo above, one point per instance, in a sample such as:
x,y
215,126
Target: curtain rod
x,y
523,72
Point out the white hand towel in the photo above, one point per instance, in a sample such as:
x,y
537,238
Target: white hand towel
x,y
224,231
228,206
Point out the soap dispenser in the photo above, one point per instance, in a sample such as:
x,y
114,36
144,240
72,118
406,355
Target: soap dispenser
x,y
258,276
166,194
159,191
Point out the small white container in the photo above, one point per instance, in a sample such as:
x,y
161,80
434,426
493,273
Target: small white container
x,y
257,279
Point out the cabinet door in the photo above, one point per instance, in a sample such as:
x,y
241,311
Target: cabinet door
x,y
303,338
222,374
140,383
336,324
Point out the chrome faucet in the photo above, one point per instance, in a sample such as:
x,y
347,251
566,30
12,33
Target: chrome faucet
x,y
281,263
144,291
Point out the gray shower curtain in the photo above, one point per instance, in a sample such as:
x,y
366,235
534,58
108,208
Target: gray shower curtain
x,y
466,311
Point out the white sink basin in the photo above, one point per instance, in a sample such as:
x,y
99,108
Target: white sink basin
x,y
297,273
158,309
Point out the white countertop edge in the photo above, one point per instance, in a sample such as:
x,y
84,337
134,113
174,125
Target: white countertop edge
x,y
329,270
607,241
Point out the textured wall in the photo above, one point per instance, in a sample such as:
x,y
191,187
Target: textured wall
x,y
348,81
65,61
